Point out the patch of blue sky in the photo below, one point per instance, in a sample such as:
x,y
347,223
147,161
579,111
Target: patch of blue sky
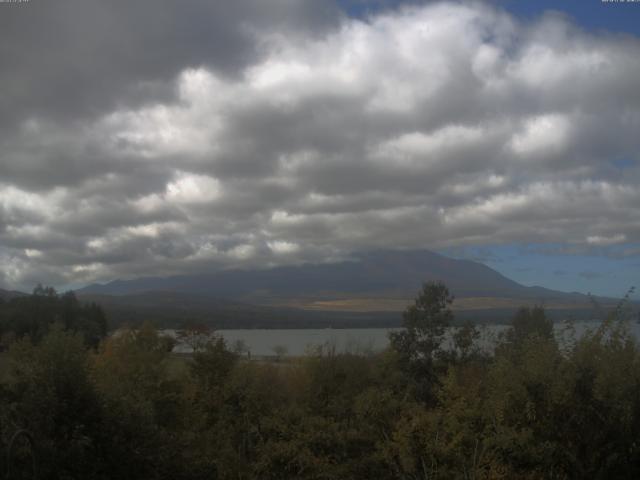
x,y
621,16
624,163
608,271
614,16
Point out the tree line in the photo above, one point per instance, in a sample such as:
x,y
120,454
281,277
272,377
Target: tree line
x,y
126,407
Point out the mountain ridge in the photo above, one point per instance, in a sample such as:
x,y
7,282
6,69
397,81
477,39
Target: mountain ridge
x,y
391,273
9,294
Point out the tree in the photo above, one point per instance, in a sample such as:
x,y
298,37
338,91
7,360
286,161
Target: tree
x,y
240,347
212,365
529,322
50,394
280,351
144,406
195,335
33,316
464,340
418,345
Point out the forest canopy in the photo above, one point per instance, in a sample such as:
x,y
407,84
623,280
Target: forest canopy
x,y
126,407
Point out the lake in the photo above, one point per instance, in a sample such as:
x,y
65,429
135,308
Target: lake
x,y
261,342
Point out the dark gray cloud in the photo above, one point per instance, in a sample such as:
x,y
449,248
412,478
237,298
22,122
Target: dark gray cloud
x,y
160,137
82,57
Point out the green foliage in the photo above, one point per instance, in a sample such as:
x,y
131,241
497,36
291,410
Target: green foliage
x,y
535,408
50,394
530,322
32,316
419,345
144,407
212,366
465,342
425,323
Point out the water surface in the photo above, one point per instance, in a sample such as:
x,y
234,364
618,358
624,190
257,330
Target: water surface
x,y
295,342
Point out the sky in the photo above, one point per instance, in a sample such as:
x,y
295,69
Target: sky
x,y
162,137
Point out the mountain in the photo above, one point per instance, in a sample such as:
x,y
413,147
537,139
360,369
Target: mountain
x,y
390,274
371,289
172,309
9,294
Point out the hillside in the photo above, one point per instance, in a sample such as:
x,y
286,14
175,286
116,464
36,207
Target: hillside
x,y
9,294
387,273
371,289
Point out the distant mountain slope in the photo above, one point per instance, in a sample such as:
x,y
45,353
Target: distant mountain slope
x,y
390,273
9,294
172,309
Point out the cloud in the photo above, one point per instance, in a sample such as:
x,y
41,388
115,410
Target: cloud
x,y
591,275
108,54
288,133
600,240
